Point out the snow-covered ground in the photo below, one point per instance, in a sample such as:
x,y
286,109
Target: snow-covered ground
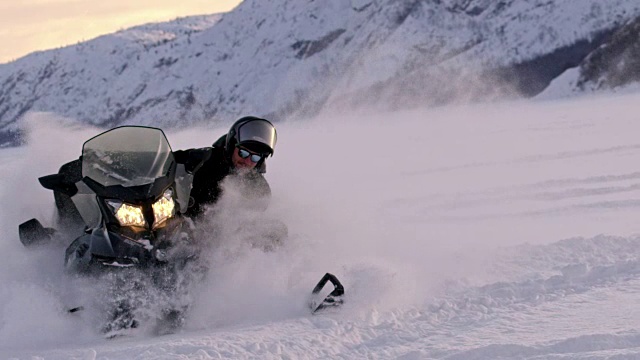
x,y
504,231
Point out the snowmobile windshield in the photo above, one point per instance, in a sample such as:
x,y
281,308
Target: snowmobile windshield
x,y
127,156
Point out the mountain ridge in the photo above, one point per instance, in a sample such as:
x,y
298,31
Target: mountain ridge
x,y
287,60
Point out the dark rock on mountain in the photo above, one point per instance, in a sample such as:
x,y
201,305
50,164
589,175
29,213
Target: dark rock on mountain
x,y
615,63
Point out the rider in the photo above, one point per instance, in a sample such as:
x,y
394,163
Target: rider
x,y
241,152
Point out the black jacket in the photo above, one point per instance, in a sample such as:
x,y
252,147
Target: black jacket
x,y
208,178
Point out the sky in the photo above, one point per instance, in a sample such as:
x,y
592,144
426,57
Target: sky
x,y
32,25
493,231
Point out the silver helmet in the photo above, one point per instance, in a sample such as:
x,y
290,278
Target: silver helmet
x,y
256,134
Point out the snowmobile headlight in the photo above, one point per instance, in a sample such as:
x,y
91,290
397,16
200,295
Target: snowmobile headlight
x,y
164,208
128,215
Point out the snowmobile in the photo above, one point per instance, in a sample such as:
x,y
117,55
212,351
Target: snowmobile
x,y
129,194
123,202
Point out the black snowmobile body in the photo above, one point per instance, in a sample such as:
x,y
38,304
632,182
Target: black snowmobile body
x,y
126,193
120,209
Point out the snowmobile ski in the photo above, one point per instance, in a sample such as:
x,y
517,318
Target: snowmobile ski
x,y
333,300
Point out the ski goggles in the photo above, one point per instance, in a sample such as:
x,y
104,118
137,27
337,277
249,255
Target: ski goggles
x,y
244,153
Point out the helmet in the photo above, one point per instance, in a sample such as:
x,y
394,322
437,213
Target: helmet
x,y
256,134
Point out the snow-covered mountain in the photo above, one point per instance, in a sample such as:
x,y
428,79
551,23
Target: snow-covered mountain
x,y
287,59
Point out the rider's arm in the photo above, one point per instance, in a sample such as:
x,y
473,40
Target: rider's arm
x,y
192,158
